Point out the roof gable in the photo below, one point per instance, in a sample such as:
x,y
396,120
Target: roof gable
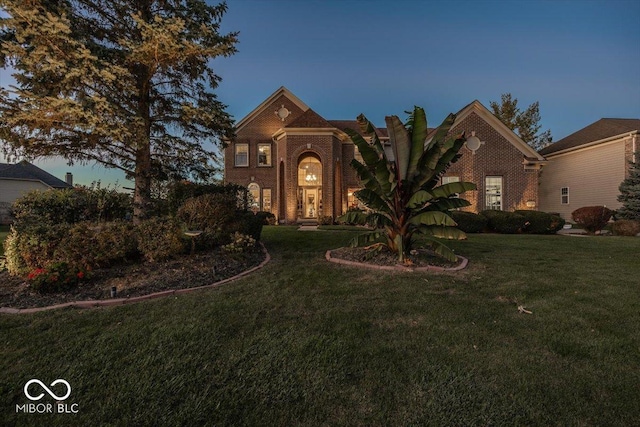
x,y
25,171
282,91
597,131
482,111
309,119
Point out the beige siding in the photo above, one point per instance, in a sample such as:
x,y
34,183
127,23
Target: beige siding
x,y
591,174
11,189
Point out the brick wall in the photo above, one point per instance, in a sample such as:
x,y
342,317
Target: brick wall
x,y
497,157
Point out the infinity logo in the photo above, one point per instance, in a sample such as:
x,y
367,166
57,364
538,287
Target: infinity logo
x,y
47,389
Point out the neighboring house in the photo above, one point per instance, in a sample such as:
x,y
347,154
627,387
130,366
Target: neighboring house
x,y
18,179
587,167
296,163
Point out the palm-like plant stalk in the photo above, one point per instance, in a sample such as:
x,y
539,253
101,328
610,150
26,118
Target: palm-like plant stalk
x,y
403,195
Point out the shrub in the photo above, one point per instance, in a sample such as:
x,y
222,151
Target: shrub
x,y
33,246
537,222
592,218
469,222
178,193
55,277
70,206
212,214
326,220
625,227
247,223
91,245
160,238
504,222
267,218
239,243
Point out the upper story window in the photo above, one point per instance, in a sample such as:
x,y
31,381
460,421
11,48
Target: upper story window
x,y
264,154
242,155
564,195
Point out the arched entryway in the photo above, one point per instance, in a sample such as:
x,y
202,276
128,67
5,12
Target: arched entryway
x,y
309,186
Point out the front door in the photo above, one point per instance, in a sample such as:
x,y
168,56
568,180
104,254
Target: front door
x,y
310,203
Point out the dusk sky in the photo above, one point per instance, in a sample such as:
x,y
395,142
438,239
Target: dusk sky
x,y
579,59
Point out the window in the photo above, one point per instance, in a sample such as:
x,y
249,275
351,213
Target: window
x,y
266,199
254,196
352,201
357,155
493,192
448,179
242,155
564,195
310,172
264,154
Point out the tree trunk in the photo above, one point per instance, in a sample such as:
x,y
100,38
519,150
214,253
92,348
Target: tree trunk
x,y
142,192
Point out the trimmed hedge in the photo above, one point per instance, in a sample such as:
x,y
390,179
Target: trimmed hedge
x,y
625,227
592,218
469,222
537,222
212,214
504,222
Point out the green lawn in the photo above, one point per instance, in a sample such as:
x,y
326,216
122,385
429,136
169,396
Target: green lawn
x,y
306,342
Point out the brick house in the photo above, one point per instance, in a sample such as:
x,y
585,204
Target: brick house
x,y
296,163
587,167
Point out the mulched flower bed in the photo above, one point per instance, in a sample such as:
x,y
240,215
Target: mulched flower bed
x,y
187,271
418,257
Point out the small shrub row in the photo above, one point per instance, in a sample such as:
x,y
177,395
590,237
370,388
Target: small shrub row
x,y
592,218
625,227
522,221
70,206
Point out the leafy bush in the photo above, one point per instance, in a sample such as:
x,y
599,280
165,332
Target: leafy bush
x,y
33,246
92,245
178,193
469,222
70,206
160,238
239,243
247,223
537,222
55,277
326,220
504,222
625,227
212,214
267,217
592,218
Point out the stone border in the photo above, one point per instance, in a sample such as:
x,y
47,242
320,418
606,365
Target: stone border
x,y
122,301
463,264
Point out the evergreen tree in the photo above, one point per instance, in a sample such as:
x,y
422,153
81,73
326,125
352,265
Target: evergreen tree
x,y
526,124
125,83
630,192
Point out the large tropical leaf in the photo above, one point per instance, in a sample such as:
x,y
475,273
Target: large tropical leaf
x,y
432,218
447,204
366,239
449,233
372,200
354,217
442,250
419,198
401,144
451,188
367,178
369,154
418,136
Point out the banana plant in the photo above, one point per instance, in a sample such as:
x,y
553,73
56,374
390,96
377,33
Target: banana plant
x,y
403,195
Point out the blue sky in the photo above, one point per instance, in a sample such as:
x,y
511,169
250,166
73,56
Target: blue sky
x,y
579,59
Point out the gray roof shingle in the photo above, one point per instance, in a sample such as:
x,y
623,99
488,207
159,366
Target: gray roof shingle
x,y
603,128
26,171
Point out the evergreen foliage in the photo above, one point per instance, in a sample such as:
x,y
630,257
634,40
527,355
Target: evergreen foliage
x,y
526,124
127,84
630,192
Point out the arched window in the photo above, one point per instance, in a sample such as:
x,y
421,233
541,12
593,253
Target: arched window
x,y
254,192
309,171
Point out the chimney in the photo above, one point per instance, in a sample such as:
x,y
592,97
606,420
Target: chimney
x,y
68,178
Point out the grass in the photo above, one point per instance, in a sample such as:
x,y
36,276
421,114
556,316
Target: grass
x,y
306,342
